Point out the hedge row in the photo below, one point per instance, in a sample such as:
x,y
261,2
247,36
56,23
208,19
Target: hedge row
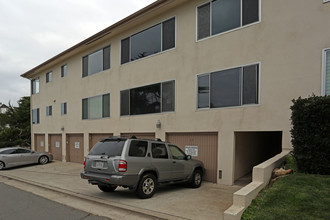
x,y
311,134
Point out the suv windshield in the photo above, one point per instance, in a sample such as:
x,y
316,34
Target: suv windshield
x,y
108,147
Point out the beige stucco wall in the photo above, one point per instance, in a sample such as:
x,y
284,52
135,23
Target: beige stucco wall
x,y
287,42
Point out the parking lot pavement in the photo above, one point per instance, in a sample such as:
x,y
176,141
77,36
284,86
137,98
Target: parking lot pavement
x,y
169,202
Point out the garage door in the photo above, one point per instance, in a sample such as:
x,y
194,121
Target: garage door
x,y
39,142
203,145
75,148
94,138
150,136
55,145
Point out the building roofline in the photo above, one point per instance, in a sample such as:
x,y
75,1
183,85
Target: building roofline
x,y
99,35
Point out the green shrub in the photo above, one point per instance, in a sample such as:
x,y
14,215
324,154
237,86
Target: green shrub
x,y
311,134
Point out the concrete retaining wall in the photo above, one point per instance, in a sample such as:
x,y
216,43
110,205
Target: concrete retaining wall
x,y
261,175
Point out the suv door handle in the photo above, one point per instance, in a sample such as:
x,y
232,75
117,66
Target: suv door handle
x,y
173,161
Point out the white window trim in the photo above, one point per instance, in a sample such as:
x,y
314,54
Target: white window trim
x,y
324,51
232,30
239,106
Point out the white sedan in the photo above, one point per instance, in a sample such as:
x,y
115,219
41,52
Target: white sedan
x,y
17,156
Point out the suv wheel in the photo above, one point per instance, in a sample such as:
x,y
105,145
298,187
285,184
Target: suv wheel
x,y
147,186
107,188
196,180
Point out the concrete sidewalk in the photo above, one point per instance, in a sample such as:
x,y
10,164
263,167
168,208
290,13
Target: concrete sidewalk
x,y
62,182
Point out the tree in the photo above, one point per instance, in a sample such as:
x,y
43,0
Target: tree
x,y
19,130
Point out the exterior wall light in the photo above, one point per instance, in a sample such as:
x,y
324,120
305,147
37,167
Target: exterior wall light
x,y
158,124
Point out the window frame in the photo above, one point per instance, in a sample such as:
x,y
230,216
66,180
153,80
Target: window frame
x,y
161,42
228,31
34,87
64,108
49,77
49,110
241,88
161,99
324,69
93,52
64,73
102,101
38,116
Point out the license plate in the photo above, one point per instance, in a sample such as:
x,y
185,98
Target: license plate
x,y
99,164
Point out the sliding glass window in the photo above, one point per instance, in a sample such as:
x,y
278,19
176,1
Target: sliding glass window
x,y
153,40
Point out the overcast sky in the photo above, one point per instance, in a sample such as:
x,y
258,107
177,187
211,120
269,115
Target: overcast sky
x,y
32,31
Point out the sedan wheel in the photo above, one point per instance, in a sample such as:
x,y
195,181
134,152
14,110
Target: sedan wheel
x,y
2,165
43,160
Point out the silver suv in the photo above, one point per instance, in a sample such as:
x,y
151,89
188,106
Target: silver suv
x,y
140,165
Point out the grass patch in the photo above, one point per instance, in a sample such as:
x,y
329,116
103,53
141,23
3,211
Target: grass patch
x,y
296,196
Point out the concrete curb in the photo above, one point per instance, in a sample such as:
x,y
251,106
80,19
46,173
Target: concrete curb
x,y
260,178
143,213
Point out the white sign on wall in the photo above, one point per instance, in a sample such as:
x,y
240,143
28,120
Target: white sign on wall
x,y
57,144
42,143
77,145
191,150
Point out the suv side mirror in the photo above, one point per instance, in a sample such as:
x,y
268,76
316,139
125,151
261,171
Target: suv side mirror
x,y
188,157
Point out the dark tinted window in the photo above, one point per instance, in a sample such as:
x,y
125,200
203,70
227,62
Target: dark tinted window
x,y
124,102
250,84
106,105
225,88
138,148
168,99
203,91
225,15
148,99
203,21
169,34
159,151
22,151
125,46
85,66
145,100
10,151
109,147
85,109
64,70
146,43
250,11
106,58
149,41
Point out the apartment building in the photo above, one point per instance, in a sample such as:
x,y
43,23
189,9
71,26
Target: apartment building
x,y
214,77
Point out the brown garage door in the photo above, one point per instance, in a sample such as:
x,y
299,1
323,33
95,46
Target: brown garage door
x,y
94,138
75,148
55,145
206,145
39,142
150,136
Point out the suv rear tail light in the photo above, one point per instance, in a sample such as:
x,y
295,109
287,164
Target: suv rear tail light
x,y
122,167
85,163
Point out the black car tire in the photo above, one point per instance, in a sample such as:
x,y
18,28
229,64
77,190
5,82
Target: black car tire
x,y
43,160
107,188
196,180
2,165
147,186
